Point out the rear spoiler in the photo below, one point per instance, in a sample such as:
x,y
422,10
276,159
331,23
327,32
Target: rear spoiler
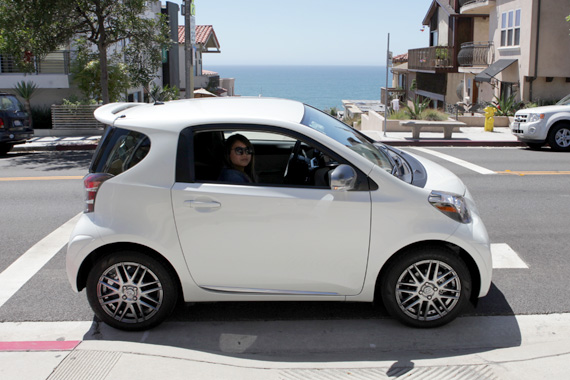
x,y
109,113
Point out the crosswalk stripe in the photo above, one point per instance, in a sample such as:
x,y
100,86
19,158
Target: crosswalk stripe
x,y
504,257
23,269
458,161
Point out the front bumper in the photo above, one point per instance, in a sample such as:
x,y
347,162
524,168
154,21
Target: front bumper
x,y
474,239
529,132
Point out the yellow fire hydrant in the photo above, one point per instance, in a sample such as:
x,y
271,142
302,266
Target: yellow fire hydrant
x,y
489,118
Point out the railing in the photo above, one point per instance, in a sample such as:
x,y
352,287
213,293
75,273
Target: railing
x,y
74,117
432,58
476,54
387,94
477,6
53,63
471,2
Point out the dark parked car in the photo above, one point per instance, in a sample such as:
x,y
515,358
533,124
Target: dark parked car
x,y
15,126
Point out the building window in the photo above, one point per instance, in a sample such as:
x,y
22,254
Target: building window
x,y
511,28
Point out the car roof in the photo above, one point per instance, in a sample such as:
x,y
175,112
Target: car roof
x,y
178,114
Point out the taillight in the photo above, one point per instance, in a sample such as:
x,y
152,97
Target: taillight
x,y
1,123
92,183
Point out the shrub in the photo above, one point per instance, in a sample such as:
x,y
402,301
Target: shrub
x,y
41,117
433,115
418,108
506,107
399,115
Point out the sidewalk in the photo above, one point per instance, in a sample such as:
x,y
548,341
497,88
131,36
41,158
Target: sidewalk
x,y
467,136
498,347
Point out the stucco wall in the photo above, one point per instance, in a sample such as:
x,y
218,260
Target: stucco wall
x,y
481,32
553,48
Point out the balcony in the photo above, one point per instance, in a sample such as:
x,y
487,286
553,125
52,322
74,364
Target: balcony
x,y
480,7
473,54
54,63
432,59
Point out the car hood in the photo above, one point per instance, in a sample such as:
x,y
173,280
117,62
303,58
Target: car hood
x,y
439,178
546,109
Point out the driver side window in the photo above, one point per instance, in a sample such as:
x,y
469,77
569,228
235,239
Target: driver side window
x,y
260,157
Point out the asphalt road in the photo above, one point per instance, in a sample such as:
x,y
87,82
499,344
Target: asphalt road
x,y
528,212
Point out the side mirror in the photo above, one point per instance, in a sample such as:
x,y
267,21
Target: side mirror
x,y
343,177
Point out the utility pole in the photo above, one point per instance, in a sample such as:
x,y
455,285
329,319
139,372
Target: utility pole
x,y
188,11
388,59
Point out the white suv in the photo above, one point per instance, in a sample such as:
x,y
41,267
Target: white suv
x,y
544,125
328,215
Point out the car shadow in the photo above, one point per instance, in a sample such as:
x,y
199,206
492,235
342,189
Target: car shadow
x,y
291,332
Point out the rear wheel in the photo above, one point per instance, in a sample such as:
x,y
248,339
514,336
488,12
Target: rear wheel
x,y
426,287
5,148
131,291
559,137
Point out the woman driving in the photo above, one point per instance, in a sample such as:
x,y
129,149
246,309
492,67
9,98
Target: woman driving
x,y
239,161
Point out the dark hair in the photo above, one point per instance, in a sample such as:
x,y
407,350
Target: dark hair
x,y
249,169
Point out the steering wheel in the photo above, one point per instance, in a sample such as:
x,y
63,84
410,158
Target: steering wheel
x,y
292,173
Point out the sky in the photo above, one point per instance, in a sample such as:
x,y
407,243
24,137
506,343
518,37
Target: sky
x,y
312,32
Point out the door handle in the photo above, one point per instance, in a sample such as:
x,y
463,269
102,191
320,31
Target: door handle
x,y
203,204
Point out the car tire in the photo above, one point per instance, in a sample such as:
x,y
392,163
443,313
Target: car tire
x,y
559,137
535,146
131,291
5,148
426,287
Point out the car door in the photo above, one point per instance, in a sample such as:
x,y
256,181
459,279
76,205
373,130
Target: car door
x,y
273,238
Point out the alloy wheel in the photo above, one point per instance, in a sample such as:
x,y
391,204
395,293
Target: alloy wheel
x,y
562,137
428,290
129,292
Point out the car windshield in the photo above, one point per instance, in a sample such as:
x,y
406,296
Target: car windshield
x,y
565,101
345,135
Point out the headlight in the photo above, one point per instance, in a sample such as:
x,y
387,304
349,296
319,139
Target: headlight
x,y
452,205
535,117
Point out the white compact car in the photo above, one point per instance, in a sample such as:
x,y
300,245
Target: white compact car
x,y
316,212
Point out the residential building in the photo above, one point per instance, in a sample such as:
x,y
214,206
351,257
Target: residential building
x,y
482,49
53,76
532,46
206,42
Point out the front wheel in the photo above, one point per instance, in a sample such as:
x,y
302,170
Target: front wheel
x,y
559,138
426,287
534,146
131,291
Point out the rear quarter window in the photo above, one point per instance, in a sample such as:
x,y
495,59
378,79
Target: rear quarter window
x,y
119,150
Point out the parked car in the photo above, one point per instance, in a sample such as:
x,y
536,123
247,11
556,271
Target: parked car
x,y
333,216
544,125
15,126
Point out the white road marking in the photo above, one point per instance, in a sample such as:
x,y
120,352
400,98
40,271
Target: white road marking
x,y
460,162
504,257
23,269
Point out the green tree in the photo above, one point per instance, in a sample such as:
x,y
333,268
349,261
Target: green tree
x,y
86,74
45,25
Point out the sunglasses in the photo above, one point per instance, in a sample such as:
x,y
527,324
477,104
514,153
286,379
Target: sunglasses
x,y
241,151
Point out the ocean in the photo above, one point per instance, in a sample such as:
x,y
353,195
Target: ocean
x,y
319,86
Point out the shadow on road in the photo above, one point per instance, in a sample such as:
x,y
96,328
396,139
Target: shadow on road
x,y
320,332
49,161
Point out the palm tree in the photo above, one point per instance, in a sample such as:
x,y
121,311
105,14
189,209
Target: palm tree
x,y
26,91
